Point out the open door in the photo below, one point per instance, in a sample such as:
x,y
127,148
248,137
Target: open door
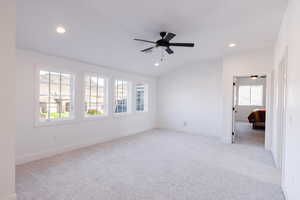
x,y
234,103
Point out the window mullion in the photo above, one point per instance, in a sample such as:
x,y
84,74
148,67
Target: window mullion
x,y
97,96
60,98
90,92
123,101
49,97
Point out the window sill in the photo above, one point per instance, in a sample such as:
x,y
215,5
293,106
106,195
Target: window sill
x,y
120,115
141,112
56,122
93,118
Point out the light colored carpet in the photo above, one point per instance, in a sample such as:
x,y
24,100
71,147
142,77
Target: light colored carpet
x,y
156,165
246,135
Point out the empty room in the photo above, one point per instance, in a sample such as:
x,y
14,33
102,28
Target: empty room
x,y
150,100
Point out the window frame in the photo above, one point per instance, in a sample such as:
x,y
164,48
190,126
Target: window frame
x,y
129,97
106,96
49,122
250,95
146,97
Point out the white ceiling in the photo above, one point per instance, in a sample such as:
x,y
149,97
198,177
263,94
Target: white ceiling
x,y
102,32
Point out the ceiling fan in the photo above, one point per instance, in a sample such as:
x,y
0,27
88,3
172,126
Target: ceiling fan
x,y
165,42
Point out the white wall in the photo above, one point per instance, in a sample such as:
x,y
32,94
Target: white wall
x,y
242,112
201,94
191,95
36,142
7,99
244,64
289,38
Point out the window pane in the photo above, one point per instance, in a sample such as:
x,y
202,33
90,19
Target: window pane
x,y
94,95
244,95
66,79
55,107
66,107
257,95
44,89
121,95
55,84
101,82
251,95
44,77
100,109
66,84
93,99
66,90
140,93
55,98
44,107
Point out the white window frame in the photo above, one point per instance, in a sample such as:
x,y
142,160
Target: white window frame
x,y
129,96
106,94
146,97
38,121
250,103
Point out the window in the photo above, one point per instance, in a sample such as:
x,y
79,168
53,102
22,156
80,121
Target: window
x,y
95,95
141,97
251,95
121,96
55,96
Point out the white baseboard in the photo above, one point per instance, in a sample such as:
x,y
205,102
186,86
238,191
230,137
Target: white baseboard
x,y
10,197
53,152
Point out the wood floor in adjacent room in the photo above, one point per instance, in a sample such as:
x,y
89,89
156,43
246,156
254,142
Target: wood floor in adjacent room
x,y
155,165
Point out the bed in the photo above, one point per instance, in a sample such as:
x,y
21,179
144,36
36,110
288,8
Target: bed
x,y
258,118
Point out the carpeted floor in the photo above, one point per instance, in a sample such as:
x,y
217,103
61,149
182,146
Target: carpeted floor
x,y
245,134
156,165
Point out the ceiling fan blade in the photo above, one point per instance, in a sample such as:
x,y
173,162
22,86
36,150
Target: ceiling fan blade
x,y
169,51
182,44
141,40
147,50
169,36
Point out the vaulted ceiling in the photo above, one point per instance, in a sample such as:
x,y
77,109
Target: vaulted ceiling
x,y
101,31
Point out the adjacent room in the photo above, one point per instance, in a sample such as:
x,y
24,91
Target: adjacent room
x,y
249,110
150,100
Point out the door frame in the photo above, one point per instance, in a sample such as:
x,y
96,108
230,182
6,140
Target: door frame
x,y
280,124
268,132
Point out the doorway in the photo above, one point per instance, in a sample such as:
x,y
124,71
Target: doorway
x,y
249,110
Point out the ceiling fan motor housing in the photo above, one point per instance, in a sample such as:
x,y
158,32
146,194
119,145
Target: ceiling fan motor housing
x,y
162,43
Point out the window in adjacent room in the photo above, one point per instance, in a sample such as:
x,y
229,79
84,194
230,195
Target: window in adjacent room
x,y
251,95
121,103
55,96
141,97
95,95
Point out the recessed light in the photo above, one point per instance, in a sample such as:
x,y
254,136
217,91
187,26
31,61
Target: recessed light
x,y
232,45
60,30
156,64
